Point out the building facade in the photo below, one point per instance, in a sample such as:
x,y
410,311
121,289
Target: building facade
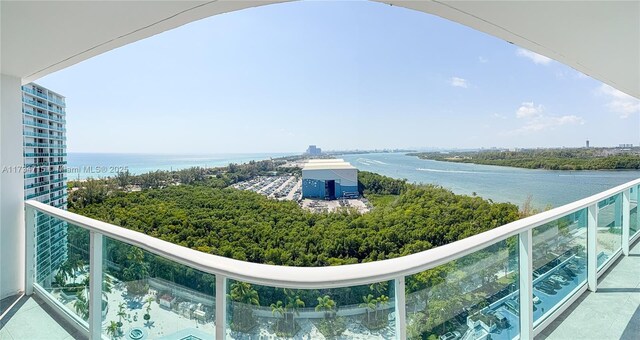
x,y
313,150
45,159
329,179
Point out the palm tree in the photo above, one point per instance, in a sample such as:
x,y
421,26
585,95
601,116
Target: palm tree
x,y
148,302
382,300
122,313
327,305
136,272
60,279
294,303
379,288
81,305
112,329
371,304
331,326
244,295
278,308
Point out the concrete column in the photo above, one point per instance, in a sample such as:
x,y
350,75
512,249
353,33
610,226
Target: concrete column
x,y
12,226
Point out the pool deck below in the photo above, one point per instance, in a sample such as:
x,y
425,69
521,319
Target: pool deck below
x,y
31,319
612,312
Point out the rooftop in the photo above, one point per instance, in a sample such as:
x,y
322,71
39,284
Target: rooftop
x,y
327,164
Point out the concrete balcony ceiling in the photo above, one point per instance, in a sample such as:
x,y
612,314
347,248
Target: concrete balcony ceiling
x,y
598,38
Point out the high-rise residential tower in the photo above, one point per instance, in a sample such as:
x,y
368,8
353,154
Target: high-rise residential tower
x,y
45,159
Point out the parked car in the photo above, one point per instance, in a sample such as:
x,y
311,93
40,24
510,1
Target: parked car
x,y
559,279
450,336
536,299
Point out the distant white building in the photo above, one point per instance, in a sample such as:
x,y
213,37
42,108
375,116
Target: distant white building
x,y
313,150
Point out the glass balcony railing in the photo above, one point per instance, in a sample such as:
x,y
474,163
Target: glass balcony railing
x,y
33,185
45,145
43,116
36,194
56,110
34,103
36,174
32,123
506,283
34,92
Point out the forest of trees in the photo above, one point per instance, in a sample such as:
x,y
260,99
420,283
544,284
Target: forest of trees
x,y
208,216
248,226
548,159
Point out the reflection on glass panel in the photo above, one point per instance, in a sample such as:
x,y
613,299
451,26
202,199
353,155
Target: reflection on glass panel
x,y
261,312
150,297
559,261
609,231
62,262
474,297
634,221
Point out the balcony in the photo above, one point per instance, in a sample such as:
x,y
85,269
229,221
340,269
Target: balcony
x,y
34,92
540,276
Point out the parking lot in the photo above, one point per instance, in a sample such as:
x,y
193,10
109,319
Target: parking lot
x,y
290,188
361,205
277,187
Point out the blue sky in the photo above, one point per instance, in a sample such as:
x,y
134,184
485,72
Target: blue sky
x,y
342,75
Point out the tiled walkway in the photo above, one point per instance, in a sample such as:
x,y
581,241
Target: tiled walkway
x,y
31,319
613,312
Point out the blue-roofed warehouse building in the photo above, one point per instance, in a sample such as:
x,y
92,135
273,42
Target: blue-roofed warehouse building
x,y
329,179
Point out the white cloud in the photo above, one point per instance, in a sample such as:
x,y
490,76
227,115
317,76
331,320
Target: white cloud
x,y
619,102
529,110
535,57
483,59
458,82
537,120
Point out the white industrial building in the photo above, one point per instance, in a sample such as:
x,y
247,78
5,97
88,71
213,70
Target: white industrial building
x,y
329,179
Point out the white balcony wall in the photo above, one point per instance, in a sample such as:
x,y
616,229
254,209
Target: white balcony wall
x,y
12,238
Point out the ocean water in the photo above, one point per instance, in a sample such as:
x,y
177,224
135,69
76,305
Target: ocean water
x,y
99,165
501,184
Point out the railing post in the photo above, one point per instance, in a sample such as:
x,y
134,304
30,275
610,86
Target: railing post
x,y
221,306
525,262
592,259
626,219
30,249
95,285
401,308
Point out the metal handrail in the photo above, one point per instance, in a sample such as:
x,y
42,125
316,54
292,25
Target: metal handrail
x,y
324,277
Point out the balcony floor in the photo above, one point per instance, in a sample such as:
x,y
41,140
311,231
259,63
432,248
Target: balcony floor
x,y
30,319
613,312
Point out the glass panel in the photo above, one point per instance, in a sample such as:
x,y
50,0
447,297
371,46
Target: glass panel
x,y
474,297
609,234
634,221
149,297
261,312
559,261
62,262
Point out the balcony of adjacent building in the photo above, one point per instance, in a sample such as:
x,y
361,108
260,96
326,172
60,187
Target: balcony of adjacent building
x,y
541,276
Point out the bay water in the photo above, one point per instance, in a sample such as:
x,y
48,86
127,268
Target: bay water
x,y
500,184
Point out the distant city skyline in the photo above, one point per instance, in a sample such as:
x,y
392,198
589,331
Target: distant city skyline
x,y
340,75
